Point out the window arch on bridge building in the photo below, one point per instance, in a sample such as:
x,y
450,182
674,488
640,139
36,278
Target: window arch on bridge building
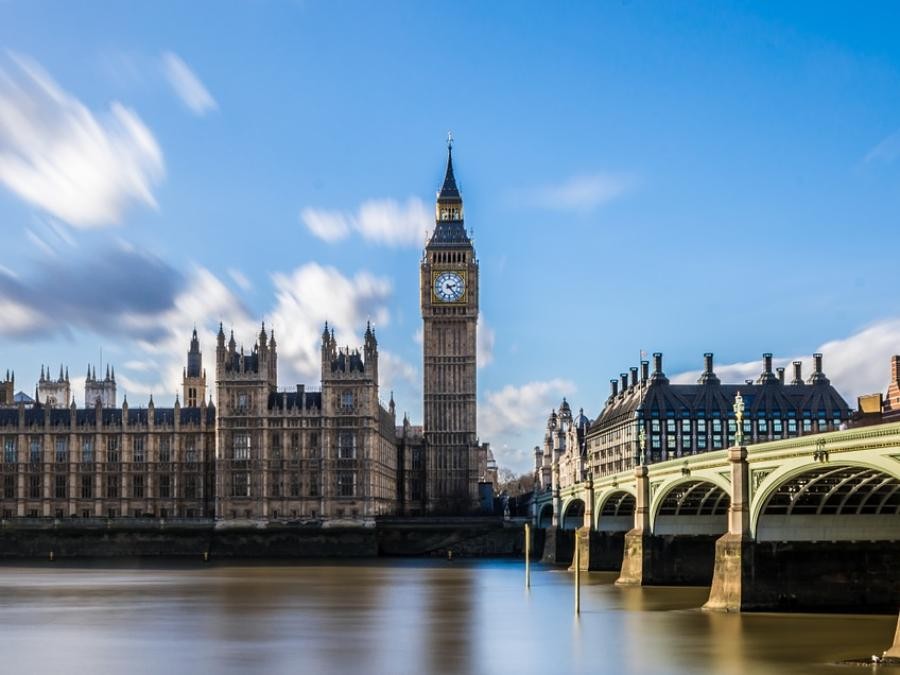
x,y
692,506
573,515
616,512
832,503
545,517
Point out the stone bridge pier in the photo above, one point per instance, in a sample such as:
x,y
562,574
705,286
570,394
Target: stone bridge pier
x,y
826,538
673,538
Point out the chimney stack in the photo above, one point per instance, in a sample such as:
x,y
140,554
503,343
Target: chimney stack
x,y
613,387
708,375
817,361
798,372
645,370
780,372
634,376
624,377
767,363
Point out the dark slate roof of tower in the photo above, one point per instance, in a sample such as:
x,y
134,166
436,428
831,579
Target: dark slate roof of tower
x,y
348,362
449,232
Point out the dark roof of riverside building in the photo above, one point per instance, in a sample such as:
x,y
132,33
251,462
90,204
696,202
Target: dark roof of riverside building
x,y
651,395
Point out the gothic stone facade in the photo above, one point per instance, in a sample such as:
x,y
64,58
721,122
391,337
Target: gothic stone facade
x,y
303,455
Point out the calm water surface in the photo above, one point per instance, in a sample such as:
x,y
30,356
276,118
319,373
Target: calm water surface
x,y
395,617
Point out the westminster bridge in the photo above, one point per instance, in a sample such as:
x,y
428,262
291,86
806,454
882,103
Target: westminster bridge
x,y
802,523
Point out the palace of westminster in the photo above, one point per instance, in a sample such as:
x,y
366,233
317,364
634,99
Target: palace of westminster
x,y
261,453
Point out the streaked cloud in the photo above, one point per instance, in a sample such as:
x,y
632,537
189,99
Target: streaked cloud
x,y
187,85
584,192
58,156
887,150
240,279
485,344
313,294
91,293
381,221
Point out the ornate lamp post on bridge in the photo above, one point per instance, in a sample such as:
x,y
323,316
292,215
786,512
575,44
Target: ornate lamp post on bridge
x,y
738,419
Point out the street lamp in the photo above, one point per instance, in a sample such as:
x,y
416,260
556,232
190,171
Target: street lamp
x,y
738,419
642,444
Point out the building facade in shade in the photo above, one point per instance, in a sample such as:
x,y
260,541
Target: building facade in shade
x,y
448,286
686,419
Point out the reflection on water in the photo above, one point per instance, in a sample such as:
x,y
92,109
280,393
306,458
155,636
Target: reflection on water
x,y
395,617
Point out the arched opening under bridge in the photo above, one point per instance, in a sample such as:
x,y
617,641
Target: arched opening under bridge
x,y
574,515
832,503
617,513
545,518
693,507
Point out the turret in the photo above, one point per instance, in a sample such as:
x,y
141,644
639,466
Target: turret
x,y
54,390
193,386
102,390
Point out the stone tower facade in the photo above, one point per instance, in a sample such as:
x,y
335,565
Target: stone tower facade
x,y
54,392
7,389
449,300
100,389
193,384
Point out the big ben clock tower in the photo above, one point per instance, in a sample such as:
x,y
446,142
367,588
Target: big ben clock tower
x,y
449,297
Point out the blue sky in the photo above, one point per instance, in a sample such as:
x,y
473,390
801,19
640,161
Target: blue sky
x,y
681,178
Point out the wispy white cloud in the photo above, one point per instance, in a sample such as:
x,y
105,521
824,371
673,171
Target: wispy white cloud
x,y
382,221
887,150
858,364
240,279
485,346
583,192
396,373
512,419
187,85
202,302
313,294
56,155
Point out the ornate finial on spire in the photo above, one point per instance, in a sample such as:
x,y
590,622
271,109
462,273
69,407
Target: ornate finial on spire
x,y
450,141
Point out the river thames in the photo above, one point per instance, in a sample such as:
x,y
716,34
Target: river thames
x,y
395,617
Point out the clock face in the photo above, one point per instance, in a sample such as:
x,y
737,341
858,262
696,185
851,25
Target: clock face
x,y
449,287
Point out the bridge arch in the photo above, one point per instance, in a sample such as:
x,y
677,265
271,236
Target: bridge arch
x,y
545,517
615,511
573,515
831,501
691,505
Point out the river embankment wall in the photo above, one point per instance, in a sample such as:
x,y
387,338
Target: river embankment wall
x,y
477,537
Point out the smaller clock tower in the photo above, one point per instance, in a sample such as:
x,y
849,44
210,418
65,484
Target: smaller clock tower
x,y
449,299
